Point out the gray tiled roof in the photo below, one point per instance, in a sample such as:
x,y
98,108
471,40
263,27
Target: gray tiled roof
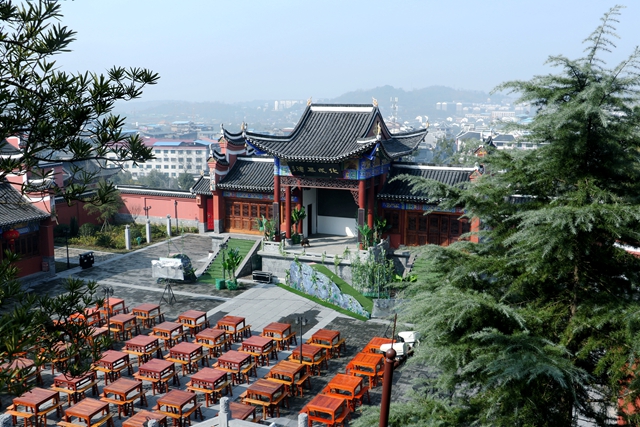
x,y
146,191
15,209
249,175
332,133
202,186
400,190
7,149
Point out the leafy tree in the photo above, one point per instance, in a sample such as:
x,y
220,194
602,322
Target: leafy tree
x,y
185,181
33,325
106,209
155,179
57,114
539,323
123,177
444,151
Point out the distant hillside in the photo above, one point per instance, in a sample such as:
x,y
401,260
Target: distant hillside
x,y
415,102
260,114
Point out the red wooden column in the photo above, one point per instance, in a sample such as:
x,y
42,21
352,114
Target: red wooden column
x,y
299,207
370,200
218,211
287,210
362,188
276,205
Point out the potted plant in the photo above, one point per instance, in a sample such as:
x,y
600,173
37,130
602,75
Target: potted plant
x,y
297,216
230,264
268,227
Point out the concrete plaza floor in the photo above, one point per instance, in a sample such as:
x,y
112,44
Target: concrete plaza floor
x,y
130,277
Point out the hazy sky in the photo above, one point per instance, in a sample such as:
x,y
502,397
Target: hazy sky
x,y
238,50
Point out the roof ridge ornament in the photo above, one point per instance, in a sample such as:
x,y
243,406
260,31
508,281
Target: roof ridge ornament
x,y
309,101
221,129
243,128
378,131
375,102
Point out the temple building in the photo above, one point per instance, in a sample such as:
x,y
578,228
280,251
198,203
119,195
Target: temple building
x,y
336,164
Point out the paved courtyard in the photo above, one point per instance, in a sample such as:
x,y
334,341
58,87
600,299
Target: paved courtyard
x,y
130,278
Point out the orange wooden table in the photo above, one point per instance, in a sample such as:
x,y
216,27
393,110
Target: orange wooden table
x,y
238,364
194,320
38,402
240,411
25,369
87,409
267,394
292,374
91,315
124,324
349,387
261,348
169,332
140,419
112,364
370,365
188,355
114,306
125,392
215,340
75,387
158,372
312,356
281,334
235,326
328,339
374,345
211,382
179,405
143,346
97,333
147,313
327,410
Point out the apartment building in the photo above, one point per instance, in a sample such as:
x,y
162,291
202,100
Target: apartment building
x,y
174,157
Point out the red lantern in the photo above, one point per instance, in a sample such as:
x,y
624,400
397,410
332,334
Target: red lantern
x,y
11,236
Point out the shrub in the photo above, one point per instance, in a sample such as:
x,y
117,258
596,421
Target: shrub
x,y
84,240
104,239
60,230
135,232
73,227
87,229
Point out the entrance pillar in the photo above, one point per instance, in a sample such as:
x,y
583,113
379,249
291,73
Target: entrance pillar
x,y
276,205
370,200
287,211
299,207
361,205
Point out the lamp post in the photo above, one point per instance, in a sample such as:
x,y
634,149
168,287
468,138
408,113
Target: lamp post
x,y
108,292
66,239
175,204
300,320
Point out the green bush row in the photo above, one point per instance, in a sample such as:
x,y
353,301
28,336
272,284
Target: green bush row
x,y
91,235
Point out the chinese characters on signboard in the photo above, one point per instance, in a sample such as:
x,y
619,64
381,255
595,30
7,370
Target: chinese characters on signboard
x,y
320,170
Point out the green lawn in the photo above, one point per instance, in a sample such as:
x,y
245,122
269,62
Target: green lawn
x,y
322,303
366,303
346,288
215,269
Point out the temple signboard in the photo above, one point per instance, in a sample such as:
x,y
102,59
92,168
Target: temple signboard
x,y
318,170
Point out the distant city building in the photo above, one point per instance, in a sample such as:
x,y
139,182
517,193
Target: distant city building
x,y
172,158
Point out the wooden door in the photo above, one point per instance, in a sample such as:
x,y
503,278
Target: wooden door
x,y
209,201
416,232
